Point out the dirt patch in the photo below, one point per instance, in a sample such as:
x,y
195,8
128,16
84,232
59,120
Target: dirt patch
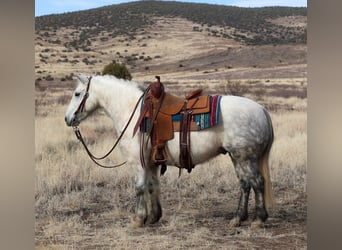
x,y
291,21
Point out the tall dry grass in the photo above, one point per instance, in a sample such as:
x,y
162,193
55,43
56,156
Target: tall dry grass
x,y
64,173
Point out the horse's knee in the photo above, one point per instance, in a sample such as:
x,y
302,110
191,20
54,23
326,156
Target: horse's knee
x,y
153,185
140,192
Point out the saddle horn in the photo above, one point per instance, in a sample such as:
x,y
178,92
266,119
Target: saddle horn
x,y
157,88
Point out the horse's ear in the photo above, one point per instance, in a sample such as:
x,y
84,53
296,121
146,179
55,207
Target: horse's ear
x,y
82,78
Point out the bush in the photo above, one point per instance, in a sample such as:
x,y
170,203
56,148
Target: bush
x,y
118,70
49,78
236,88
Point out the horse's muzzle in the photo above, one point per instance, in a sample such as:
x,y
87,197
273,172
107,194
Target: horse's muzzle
x,y
71,122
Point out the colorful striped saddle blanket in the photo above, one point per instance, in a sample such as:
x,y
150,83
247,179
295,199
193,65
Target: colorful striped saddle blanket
x,y
202,121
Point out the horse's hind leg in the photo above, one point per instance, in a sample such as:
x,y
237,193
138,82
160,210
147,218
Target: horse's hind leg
x,y
257,182
250,177
242,211
245,187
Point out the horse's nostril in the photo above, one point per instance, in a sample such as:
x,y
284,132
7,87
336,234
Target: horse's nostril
x,y
65,119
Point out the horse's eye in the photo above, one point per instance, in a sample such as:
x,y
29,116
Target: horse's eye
x,y
77,94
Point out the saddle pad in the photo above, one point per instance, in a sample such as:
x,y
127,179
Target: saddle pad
x,y
203,120
199,121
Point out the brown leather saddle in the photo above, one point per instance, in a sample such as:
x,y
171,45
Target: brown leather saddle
x,y
158,109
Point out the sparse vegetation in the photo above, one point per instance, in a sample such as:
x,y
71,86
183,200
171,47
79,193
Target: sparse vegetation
x,y
236,88
118,70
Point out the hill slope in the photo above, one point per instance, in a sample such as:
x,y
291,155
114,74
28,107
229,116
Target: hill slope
x,y
169,36
251,25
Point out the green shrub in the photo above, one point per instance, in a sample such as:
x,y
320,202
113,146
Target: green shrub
x,y
118,70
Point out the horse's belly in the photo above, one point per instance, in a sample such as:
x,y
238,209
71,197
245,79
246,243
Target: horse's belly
x,y
205,144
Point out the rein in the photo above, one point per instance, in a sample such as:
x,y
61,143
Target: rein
x,y
80,137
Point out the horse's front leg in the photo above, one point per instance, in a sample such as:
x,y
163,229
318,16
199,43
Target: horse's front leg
x,y
154,190
141,185
147,185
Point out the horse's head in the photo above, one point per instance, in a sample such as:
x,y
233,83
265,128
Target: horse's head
x,y
82,102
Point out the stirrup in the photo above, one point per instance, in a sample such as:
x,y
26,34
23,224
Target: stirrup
x,y
158,155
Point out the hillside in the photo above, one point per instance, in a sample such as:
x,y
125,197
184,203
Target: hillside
x,y
251,25
153,36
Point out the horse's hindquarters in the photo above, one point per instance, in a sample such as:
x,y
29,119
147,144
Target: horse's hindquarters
x,y
246,128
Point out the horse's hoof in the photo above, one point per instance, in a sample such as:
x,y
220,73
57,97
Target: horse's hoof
x,y
257,224
137,223
152,220
234,223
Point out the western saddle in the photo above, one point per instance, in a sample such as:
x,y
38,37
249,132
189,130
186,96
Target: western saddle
x,y
156,120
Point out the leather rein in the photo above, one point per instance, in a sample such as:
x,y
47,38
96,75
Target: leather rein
x,y
80,137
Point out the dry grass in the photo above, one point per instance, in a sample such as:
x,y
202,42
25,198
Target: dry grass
x,y
81,206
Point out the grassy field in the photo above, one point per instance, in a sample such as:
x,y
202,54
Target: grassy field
x,y
81,206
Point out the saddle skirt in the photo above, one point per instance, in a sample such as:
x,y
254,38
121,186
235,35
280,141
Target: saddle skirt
x,y
173,105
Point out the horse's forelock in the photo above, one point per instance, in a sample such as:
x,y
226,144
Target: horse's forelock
x,y
82,78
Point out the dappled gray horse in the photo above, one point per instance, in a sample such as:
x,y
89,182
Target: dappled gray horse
x,y
244,131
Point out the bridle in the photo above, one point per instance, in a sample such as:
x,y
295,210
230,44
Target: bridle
x,y
80,138
84,99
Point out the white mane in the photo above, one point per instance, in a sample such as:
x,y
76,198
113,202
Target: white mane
x,y
111,81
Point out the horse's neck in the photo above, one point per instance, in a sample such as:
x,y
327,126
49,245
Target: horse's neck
x,y
118,100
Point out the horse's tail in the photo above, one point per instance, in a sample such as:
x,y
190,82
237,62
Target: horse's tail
x,y
264,167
